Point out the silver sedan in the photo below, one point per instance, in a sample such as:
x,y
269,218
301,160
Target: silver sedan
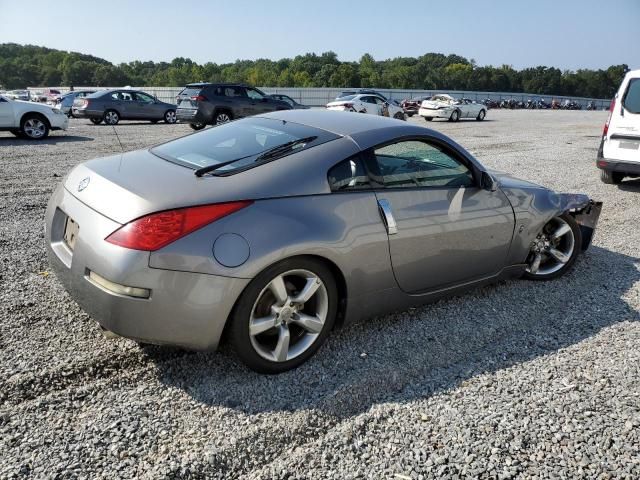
x,y
279,228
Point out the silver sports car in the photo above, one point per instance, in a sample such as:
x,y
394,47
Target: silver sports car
x,y
276,229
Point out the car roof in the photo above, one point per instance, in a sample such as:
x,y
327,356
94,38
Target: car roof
x,y
366,130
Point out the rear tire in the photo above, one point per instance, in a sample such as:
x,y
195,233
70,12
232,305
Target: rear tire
x,y
399,116
259,349
111,117
481,115
197,126
611,178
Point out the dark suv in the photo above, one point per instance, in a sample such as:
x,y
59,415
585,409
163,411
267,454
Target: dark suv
x,y
201,104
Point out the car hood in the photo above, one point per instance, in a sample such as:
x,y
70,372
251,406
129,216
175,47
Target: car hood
x,y
34,107
525,195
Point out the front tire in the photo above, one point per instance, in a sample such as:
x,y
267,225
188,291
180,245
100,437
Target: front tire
x,y
170,117
555,249
34,126
455,116
284,315
611,178
111,117
222,117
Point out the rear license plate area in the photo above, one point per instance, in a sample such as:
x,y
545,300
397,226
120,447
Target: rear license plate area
x,y
629,144
71,230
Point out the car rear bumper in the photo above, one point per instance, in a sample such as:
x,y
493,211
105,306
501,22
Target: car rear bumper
x,y
189,115
434,113
182,308
84,113
619,166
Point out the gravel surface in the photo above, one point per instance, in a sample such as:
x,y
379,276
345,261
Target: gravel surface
x,y
520,379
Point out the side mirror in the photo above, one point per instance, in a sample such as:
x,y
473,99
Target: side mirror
x,y
487,182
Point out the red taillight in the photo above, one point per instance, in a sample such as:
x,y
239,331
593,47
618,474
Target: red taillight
x,y
157,230
198,98
605,130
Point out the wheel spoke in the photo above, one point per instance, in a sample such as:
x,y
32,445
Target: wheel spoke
x,y
282,347
278,289
310,288
261,325
310,323
563,229
558,255
535,265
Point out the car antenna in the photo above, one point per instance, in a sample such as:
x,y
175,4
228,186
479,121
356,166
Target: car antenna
x,y
118,137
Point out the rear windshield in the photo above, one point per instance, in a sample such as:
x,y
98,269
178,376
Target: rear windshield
x,y
347,97
631,100
190,92
243,140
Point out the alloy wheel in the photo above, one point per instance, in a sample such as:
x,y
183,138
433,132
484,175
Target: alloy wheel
x,y
288,315
34,128
222,118
552,249
170,117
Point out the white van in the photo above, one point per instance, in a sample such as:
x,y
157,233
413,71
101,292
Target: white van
x,y
619,153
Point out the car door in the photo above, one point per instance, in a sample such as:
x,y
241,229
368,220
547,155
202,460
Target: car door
x,y
146,106
121,102
444,230
237,98
259,103
7,119
370,104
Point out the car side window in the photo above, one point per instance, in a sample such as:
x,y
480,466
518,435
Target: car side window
x,y
143,97
418,163
349,174
254,94
631,99
234,92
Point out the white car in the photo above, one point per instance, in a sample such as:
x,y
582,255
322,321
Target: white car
x,y
30,120
367,103
445,106
619,152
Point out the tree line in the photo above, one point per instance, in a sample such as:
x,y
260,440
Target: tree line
x,y
30,66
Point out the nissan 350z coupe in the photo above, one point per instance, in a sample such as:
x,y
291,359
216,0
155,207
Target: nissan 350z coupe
x,y
278,228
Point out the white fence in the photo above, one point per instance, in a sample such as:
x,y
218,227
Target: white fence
x,y
321,96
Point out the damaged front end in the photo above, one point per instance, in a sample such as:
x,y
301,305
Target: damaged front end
x,y
586,213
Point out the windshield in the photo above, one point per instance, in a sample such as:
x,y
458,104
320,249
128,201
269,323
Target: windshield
x,y
240,142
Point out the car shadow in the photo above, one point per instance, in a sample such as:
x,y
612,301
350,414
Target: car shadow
x,y
50,140
630,185
420,352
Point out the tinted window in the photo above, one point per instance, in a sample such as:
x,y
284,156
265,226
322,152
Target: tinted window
x,y
254,94
190,92
631,100
143,97
122,96
348,175
416,163
242,140
231,91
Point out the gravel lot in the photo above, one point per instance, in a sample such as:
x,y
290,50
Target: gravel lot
x,y
521,379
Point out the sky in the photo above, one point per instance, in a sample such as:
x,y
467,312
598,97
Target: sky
x,y
568,34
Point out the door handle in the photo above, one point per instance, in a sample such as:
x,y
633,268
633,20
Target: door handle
x,y
387,216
